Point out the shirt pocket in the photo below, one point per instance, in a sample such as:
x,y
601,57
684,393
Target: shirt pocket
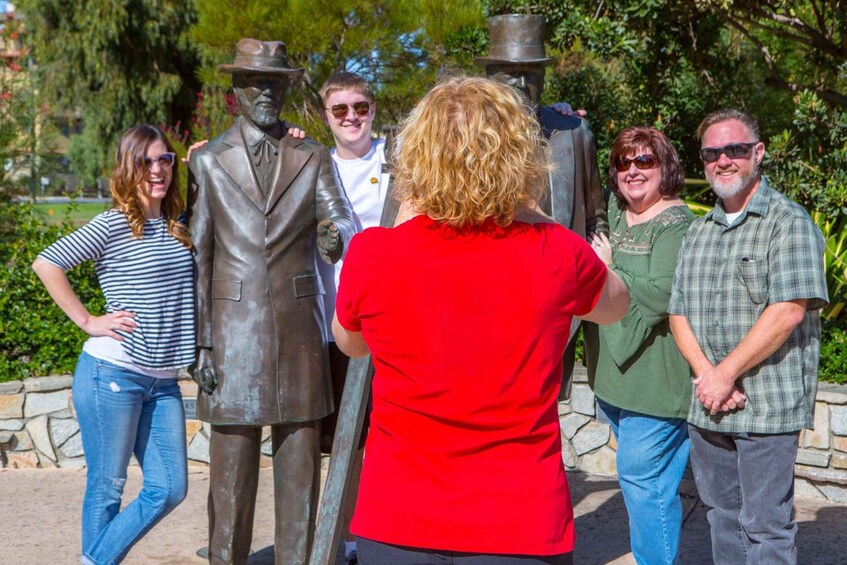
x,y
754,275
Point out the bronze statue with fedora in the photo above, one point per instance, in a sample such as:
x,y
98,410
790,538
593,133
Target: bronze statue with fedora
x,y
517,57
263,206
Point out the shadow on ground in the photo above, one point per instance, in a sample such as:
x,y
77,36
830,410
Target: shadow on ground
x,y
264,556
601,521
602,526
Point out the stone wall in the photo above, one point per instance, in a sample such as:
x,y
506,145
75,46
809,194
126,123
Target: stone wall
x,y
38,428
820,470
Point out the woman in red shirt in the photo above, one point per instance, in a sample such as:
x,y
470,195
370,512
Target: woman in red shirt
x,y
466,309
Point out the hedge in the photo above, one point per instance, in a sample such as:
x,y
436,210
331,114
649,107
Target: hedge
x,y
36,338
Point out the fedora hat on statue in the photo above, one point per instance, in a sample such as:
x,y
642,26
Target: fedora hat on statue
x,y
515,38
260,57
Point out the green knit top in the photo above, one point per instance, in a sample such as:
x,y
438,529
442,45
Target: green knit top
x,y
638,366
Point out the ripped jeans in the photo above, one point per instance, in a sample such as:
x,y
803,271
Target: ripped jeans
x,y
122,413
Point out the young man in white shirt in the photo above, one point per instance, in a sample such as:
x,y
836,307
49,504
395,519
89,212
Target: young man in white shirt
x,y
349,110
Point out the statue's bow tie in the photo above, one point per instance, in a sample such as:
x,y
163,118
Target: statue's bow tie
x,y
264,150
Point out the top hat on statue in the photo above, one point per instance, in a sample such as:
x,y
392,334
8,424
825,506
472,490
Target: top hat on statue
x,y
261,57
515,39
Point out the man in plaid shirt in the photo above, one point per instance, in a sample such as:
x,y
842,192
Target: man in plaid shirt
x,y
745,314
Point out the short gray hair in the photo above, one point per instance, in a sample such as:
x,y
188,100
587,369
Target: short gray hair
x,y
729,114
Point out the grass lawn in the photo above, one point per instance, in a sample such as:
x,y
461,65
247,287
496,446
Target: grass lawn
x,y
82,213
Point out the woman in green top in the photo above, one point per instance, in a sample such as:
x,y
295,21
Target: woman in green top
x,y
640,379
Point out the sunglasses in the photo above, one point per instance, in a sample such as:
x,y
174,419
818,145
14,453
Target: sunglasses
x,y
733,151
165,160
641,162
362,109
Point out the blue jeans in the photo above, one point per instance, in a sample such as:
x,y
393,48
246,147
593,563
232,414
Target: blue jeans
x,y
651,458
122,413
747,481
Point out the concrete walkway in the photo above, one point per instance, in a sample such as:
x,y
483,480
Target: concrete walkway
x,y
39,512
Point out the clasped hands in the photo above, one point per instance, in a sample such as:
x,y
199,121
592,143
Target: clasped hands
x,y
717,392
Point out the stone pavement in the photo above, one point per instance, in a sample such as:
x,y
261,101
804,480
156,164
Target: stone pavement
x,y
39,513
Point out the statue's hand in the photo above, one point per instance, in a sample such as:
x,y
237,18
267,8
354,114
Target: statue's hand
x,y
567,110
329,241
203,372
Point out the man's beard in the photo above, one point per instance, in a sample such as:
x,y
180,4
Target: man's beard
x,y
262,111
264,117
741,182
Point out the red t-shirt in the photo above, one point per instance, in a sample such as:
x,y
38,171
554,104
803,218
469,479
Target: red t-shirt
x,y
466,331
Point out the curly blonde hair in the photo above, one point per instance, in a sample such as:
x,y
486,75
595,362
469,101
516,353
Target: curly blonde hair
x,y
129,174
471,150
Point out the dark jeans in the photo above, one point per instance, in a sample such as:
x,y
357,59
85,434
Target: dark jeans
x,y
375,553
747,481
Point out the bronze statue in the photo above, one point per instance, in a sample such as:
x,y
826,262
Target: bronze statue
x,y
517,57
262,207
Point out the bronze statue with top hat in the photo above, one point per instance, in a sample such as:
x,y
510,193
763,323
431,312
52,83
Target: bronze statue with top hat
x,y
517,57
263,206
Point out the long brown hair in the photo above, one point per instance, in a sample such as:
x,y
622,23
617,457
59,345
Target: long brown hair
x,y
129,174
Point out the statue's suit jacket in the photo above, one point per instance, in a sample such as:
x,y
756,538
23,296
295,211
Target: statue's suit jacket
x,y
575,197
259,306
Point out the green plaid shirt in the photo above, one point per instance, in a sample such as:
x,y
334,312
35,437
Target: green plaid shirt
x,y
727,275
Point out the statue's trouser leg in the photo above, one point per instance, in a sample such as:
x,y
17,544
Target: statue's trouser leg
x,y
233,481
297,478
569,358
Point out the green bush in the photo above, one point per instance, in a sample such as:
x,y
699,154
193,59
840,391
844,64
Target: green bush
x,y
808,162
36,338
833,362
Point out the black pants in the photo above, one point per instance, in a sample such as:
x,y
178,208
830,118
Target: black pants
x,y
375,553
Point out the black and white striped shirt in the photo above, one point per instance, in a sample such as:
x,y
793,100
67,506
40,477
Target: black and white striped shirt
x,y
151,277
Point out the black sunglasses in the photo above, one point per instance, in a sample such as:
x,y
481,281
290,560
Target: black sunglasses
x,y
641,162
733,151
165,160
362,109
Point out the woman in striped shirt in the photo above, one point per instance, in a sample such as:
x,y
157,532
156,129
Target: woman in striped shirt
x,y
125,387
